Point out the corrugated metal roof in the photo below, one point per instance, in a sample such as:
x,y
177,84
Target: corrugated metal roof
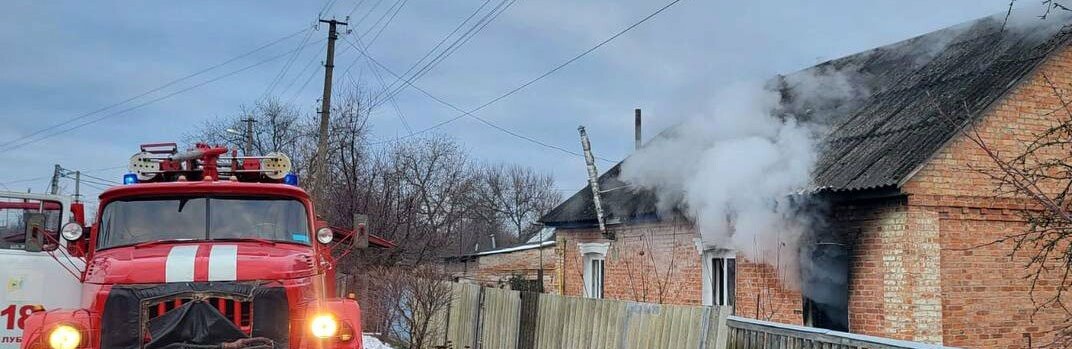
x,y
919,93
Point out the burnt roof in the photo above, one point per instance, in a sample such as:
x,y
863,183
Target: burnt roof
x,y
919,92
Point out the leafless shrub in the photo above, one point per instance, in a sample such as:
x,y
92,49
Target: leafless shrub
x,y
411,302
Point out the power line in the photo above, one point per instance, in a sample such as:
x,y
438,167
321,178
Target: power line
x,y
468,113
43,177
327,7
356,5
512,91
173,82
300,74
17,146
469,35
95,186
396,86
397,8
359,21
98,178
400,4
398,111
286,66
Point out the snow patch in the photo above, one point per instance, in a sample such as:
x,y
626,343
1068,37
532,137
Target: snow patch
x,y
370,342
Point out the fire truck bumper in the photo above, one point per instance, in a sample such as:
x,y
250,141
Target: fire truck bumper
x,y
201,315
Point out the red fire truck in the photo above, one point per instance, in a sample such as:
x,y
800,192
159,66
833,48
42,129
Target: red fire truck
x,y
203,249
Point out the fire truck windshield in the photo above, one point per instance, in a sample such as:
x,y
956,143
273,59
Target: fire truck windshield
x,y
128,222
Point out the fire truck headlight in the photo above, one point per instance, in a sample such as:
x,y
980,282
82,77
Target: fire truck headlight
x,y
324,326
325,235
71,231
64,337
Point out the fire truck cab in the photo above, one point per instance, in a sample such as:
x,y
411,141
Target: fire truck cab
x,y
35,273
199,249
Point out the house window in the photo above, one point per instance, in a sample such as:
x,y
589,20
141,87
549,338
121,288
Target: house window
x,y
593,280
720,277
595,255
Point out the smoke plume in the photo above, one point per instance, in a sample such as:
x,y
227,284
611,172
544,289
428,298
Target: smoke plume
x,y
734,170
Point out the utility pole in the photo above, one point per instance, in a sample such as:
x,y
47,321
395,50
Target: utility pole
x,y
54,187
77,186
249,134
325,111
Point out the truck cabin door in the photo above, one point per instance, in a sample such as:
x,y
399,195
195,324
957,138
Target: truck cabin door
x,y
29,230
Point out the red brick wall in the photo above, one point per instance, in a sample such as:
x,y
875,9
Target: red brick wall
x,y
494,270
986,301
657,263
633,274
894,288
763,294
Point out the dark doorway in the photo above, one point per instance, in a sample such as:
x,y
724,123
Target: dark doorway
x,y
825,276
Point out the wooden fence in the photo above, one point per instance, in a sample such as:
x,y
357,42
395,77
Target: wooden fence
x,y
750,333
489,318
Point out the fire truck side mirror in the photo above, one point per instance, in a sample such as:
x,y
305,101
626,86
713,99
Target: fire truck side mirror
x,y
361,236
35,231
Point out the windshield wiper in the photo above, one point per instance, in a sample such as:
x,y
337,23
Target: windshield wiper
x,y
260,240
157,242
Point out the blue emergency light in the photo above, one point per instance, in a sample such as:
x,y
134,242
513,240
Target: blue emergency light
x,y
291,179
130,178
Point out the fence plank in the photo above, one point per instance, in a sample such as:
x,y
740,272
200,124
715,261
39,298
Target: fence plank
x,y
496,318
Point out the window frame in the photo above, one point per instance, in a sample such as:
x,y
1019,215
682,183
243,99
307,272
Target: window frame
x,y
61,219
724,292
594,254
594,277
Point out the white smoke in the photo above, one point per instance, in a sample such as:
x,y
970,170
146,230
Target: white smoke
x,y
733,171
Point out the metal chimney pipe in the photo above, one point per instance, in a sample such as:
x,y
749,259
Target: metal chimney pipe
x,y
593,181
637,128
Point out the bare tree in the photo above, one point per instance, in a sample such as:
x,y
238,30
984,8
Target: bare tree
x,y
517,195
434,173
277,127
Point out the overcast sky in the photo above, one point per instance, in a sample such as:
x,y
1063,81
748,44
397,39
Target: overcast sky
x,y
64,59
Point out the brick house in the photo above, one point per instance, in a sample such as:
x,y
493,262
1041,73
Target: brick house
x,y
909,217
529,263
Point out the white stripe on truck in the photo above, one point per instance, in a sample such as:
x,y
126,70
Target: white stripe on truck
x,y
179,266
223,263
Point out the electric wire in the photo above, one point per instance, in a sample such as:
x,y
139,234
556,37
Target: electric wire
x,y
512,91
23,180
327,7
398,111
397,86
98,178
462,40
467,113
379,98
172,94
370,11
161,87
400,4
95,186
357,4
300,75
286,66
